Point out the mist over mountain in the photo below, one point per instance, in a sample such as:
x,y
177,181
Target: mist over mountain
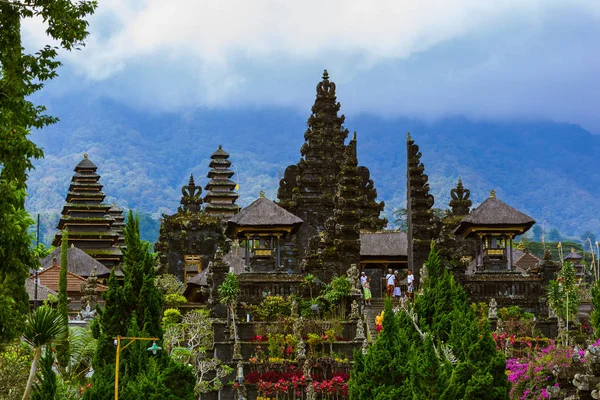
x,y
545,169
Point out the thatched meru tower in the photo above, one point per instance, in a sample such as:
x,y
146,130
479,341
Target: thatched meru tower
x,y
221,197
88,220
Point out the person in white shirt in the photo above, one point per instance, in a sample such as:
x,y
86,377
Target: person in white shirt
x,y
410,279
391,282
363,278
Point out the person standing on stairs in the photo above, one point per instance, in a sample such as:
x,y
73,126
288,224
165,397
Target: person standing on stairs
x,y
367,291
391,279
397,292
410,279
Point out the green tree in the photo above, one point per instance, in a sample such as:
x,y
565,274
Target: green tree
x,y
21,75
401,219
438,348
229,291
135,309
43,326
62,347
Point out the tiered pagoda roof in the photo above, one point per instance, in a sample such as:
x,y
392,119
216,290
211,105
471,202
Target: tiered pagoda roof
x,y
88,220
119,224
221,196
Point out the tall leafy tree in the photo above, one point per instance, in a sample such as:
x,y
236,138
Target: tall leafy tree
x,y
21,75
62,347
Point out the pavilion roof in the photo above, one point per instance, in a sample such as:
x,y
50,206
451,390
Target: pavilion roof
x,y
79,262
262,213
495,213
383,244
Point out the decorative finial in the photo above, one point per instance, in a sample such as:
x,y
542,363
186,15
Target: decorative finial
x,y
192,180
493,194
85,156
262,193
408,136
572,249
220,147
72,245
325,75
354,137
521,246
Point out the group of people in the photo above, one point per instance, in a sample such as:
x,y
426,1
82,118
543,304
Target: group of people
x,y
392,288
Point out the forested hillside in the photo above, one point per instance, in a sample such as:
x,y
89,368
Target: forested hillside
x,y
545,169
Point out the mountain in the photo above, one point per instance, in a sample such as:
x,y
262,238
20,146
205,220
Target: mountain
x,y
545,169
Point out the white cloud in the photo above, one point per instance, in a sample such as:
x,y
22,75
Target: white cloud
x,y
172,54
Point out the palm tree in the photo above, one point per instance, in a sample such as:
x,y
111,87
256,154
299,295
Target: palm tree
x,y
43,327
229,291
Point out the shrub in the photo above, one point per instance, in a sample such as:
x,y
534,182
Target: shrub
x,y
175,300
172,316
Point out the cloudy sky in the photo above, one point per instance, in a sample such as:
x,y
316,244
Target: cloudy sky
x,y
424,58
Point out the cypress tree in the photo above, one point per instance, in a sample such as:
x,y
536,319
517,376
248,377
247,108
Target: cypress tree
x,y
445,352
62,347
135,310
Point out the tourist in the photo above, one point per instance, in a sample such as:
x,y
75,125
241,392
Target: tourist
x,y
397,292
410,279
390,282
379,322
367,290
363,278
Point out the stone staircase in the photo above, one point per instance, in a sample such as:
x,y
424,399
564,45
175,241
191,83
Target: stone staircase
x,y
377,305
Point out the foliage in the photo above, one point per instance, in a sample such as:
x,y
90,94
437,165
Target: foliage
x,y
82,347
175,300
337,292
563,293
15,362
62,347
595,316
271,308
515,321
171,316
229,290
169,284
45,388
437,348
21,75
531,374
41,251
401,219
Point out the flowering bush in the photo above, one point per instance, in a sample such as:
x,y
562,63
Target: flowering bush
x,y
531,374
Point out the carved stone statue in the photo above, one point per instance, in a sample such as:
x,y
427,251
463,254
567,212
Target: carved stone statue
x,y
294,309
88,314
298,325
365,346
354,276
354,312
301,351
237,351
306,367
360,330
493,310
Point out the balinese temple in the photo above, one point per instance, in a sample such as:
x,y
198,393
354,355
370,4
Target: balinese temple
x,y
87,218
575,258
493,225
119,224
262,226
221,196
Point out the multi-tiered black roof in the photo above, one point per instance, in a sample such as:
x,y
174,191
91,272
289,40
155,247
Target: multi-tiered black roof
x,y
221,196
87,219
117,213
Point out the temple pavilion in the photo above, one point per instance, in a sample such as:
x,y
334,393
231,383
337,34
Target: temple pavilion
x,y
88,219
261,226
494,225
